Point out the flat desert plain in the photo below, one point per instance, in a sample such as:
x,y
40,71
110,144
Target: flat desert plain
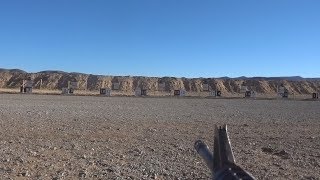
x,y
73,137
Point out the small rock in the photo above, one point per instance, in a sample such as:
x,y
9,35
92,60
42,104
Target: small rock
x,y
82,174
137,152
6,160
24,174
103,163
19,159
33,153
267,150
109,170
153,130
283,154
154,176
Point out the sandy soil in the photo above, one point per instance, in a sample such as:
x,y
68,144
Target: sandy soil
x,y
73,137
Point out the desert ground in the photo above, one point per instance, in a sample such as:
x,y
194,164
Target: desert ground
x,y
79,137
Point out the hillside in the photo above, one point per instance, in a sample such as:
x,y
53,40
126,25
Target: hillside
x,y
53,80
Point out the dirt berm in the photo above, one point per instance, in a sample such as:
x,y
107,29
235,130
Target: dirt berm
x,y
53,80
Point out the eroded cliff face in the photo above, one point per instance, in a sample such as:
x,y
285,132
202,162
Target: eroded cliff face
x,y
57,80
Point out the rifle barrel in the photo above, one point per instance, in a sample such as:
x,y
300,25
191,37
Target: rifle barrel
x,y
205,153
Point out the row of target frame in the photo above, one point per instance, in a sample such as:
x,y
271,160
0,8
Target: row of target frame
x,y
144,92
183,93
72,86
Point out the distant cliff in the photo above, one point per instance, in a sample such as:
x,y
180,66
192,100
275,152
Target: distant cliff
x,y
52,80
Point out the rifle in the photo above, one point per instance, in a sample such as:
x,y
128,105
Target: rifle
x,y
222,162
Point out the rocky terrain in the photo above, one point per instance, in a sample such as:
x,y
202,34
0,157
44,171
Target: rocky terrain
x,y
80,137
56,80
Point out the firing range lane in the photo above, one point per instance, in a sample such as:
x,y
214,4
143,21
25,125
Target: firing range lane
x,y
75,136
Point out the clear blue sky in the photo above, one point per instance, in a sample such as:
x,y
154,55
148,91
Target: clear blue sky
x,y
190,38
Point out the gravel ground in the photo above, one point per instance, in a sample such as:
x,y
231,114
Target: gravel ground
x,y
70,137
